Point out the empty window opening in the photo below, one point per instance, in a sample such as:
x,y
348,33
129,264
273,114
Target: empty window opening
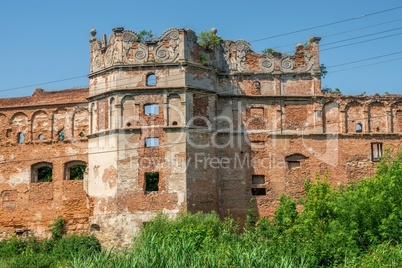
x,y
41,137
293,164
151,142
174,123
94,227
21,138
358,128
21,231
75,170
42,172
258,191
150,109
376,151
45,174
82,134
61,135
258,179
151,182
151,79
294,161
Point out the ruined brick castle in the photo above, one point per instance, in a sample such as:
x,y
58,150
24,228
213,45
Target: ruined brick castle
x,y
170,126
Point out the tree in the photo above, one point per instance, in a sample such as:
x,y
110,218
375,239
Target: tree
x,y
268,50
145,36
323,70
208,39
330,90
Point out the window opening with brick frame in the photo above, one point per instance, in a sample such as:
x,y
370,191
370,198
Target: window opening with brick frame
x,y
75,170
61,135
258,179
376,151
151,109
42,172
151,142
21,138
358,128
151,182
256,189
294,161
151,79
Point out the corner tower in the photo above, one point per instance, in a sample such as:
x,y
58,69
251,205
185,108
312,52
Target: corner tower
x,y
140,99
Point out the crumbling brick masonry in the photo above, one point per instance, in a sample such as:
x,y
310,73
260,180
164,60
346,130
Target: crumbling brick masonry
x,y
168,126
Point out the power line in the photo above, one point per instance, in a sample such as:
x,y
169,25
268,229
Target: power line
x,y
339,33
364,41
361,66
44,83
327,24
361,36
354,18
356,61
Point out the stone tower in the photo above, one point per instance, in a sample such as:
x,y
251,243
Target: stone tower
x,y
164,114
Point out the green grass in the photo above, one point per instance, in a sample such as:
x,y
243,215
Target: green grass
x,y
358,225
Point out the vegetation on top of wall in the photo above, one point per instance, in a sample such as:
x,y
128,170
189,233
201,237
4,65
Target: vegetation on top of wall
x,y
331,90
268,51
323,70
145,36
208,39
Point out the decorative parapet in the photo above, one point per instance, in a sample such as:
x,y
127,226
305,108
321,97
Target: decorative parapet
x,y
124,47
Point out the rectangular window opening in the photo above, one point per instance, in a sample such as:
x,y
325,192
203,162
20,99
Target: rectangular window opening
x,y
293,164
258,179
376,151
150,109
151,142
44,174
151,182
258,191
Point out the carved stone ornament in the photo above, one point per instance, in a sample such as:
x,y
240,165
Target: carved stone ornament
x,y
286,63
109,56
96,63
131,53
167,47
242,47
268,63
309,59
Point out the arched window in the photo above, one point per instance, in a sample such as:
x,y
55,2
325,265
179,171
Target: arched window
x,y
61,135
151,79
75,170
294,160
358,128
21,138
42,172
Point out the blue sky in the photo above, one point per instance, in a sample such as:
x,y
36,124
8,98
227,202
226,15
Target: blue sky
x,y
46,41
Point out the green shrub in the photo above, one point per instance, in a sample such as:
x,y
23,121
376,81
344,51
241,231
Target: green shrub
x,y
208,39
76,245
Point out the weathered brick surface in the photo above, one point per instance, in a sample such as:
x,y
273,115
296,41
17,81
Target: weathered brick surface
x,y
230,133
32,206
